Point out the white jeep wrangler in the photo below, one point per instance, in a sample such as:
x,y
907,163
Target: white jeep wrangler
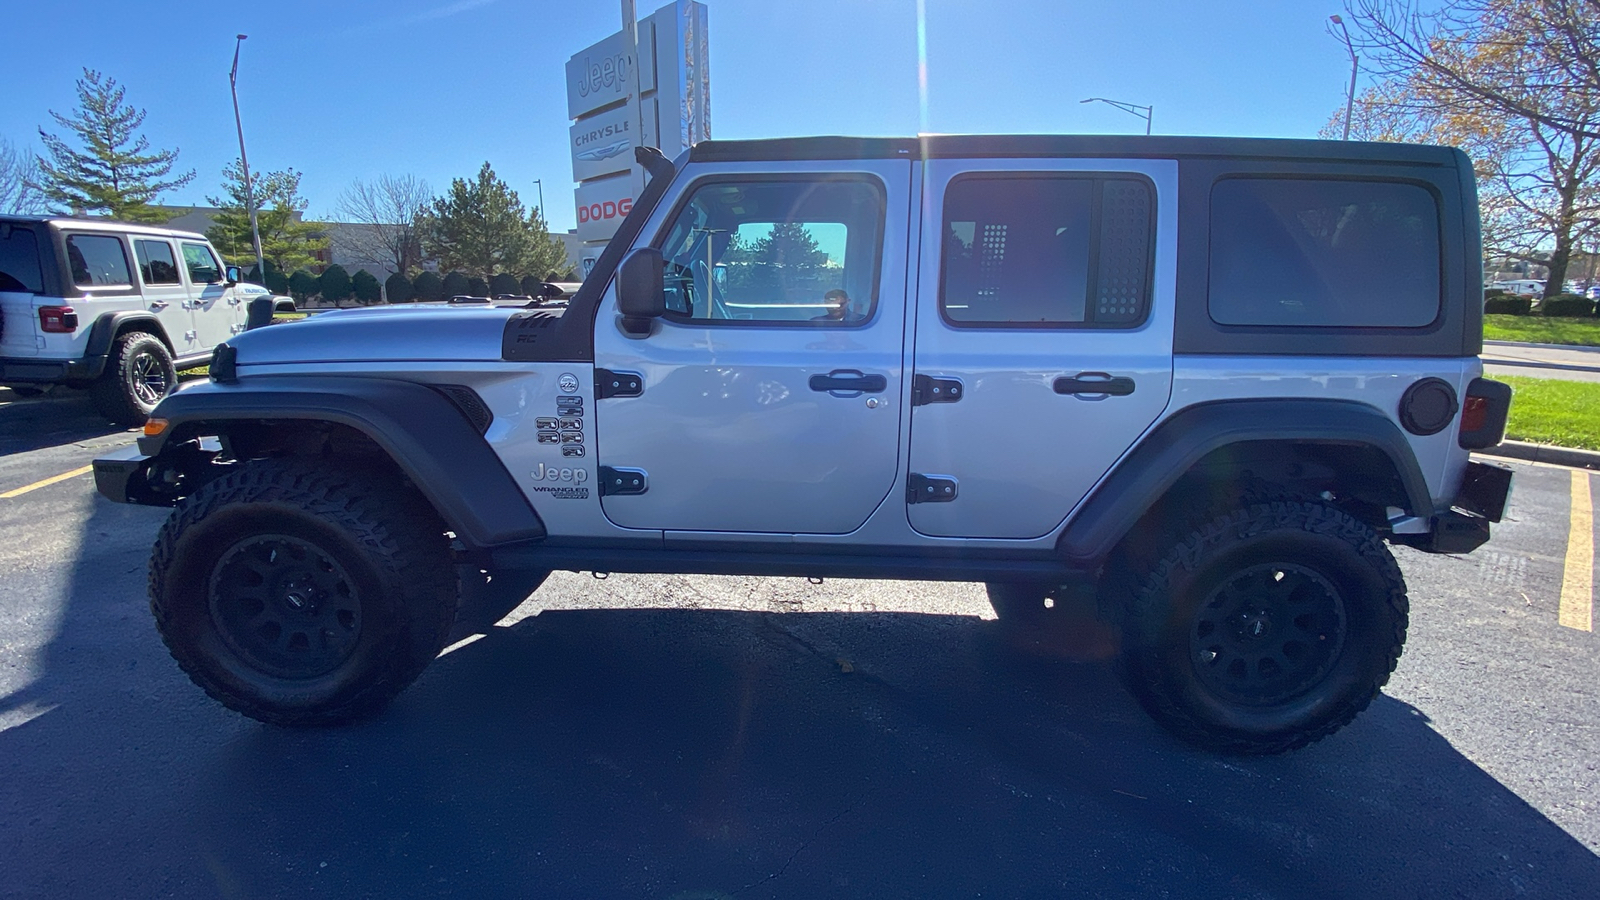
x,y
1211,378
116,308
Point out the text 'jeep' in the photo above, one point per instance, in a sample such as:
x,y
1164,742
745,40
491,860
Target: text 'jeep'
x,y
1211,376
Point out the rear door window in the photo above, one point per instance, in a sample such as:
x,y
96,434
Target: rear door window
x,y
19,261
156,262
1324,252
97,260
1046,251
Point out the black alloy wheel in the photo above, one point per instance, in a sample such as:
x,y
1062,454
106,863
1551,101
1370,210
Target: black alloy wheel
x,y
1268,633
286,607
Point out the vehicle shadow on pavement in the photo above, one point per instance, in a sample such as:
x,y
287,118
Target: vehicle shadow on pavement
x,y
64,416
710,753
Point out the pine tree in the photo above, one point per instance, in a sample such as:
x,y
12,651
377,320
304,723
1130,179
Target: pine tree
x,y
115,174
287,240
480,227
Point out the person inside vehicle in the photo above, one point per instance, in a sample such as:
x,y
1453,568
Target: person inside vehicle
x,y
838,308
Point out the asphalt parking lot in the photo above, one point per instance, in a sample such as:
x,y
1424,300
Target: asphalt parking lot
x,y
698,737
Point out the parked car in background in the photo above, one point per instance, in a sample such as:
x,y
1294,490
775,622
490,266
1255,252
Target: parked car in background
x,y
113,307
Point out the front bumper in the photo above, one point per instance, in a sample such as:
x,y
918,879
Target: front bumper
x,y
118,471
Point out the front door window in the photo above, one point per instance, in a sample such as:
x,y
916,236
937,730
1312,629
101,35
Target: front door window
x,y
776,252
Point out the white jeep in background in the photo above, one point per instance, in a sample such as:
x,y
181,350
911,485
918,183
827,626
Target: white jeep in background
x,y
114,307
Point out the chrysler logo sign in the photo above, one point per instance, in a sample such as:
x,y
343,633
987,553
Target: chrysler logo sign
x,y
605,151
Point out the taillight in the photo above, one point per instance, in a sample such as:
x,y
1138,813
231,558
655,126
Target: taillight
x,y
1474,414
1483,414
57,319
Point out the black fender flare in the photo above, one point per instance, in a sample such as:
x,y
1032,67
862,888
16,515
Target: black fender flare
x,y
426,435
105,329
1182,439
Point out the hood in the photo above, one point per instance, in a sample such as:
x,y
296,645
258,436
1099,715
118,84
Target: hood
x,y
413,332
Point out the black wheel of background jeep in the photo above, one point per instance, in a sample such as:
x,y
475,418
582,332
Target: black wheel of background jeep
x,y
303,595
139,372
1268,628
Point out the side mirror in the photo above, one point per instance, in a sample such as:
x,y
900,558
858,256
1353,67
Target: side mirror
x,y
640,297
234,274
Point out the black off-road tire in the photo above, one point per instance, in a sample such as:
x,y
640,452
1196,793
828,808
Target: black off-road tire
x,y
372,598
139,372
1200,627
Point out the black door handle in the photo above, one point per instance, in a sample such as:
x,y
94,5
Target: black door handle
x,y
1094,383
849,380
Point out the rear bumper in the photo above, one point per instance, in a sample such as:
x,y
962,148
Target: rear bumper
x,y
14,370
1485,491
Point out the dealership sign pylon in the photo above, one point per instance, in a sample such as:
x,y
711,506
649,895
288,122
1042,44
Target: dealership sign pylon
x,y
656,93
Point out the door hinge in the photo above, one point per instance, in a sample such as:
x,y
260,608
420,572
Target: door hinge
x,y
930,488
619,482
927,389
617,384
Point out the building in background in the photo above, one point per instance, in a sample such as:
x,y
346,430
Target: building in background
x,y
658,97
347,243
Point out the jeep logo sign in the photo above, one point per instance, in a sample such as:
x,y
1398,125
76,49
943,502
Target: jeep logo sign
x,y
598,75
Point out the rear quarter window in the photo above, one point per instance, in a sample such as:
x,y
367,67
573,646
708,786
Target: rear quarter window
x,y
19,261
98,260
1324,252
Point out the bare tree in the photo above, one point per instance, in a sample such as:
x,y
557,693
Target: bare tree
x,y
17,194
388,209
1516,83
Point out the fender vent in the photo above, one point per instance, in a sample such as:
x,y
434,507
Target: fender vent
x,y
471,405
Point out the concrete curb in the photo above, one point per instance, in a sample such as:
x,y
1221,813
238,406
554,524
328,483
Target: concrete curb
x,y
1545,453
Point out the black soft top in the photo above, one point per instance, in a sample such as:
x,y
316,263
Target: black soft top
x,y
968,146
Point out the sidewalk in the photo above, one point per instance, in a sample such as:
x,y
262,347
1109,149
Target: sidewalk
x,y
1561,361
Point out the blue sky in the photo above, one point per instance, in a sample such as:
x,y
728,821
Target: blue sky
x,y
343,90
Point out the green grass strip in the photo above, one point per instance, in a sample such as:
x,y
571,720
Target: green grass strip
x,y
1540,330
1548,411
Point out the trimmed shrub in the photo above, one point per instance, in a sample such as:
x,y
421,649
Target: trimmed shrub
x,y
366,287
302,284
275,281
477,287
428,287
398,289
334,283
532,286
456,283
1508,305
1567,306
504,283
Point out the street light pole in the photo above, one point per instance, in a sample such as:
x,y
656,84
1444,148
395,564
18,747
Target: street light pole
x,y
1355,65
540,183
244,163
1147,113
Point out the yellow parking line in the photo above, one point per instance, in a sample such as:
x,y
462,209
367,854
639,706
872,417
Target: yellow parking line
x,y
1577,583
46,483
